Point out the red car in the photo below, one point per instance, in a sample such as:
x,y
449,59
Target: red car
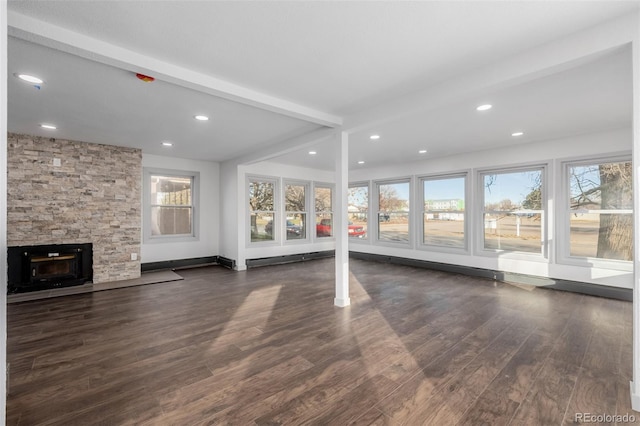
x,y
323,229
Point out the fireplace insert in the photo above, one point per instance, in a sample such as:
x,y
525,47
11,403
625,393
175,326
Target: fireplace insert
x,y
42,267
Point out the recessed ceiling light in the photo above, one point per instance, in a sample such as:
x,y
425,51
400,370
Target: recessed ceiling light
x,y
312,152
201,117
422,151
167,143
374,137
484,107
360,162
517,134
48,126
30,78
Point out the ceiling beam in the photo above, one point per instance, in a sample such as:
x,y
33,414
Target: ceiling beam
x,y
59,38
285,147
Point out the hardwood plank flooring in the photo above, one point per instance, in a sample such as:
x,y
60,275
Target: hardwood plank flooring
x,y
267,347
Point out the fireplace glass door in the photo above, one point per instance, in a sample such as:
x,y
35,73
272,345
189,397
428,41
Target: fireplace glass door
x,y
45,268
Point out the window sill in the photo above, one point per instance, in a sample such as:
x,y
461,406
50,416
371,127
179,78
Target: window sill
x,y
170,239
595,263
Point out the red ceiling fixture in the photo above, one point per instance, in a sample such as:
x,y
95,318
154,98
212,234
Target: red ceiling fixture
x,y
145,78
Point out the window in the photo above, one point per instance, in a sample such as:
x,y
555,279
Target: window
x,y
262,209
296,211
443,215
324,211
358,210
170,204
600,209
393,211
513,210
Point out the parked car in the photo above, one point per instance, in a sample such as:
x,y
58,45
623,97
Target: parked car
x,y
323,229
293,230
357,230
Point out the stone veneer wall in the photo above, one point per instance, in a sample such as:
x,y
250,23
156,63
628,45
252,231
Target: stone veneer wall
x,y
94,196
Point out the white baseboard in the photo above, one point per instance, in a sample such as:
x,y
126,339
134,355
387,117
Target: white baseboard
x,y
635,399
341,303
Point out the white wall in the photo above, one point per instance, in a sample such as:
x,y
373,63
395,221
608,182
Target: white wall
x,y
3,209
619,140
209,209
635,384
612,142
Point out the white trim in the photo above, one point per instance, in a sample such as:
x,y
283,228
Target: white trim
x,y
332,188
277,200
147,172
478,222
420,244
307,229
563,246
363,184
410,243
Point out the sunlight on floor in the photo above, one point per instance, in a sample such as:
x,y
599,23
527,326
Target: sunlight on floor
x,y
389,357
252,315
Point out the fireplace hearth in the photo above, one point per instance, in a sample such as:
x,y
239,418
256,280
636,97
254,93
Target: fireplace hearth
x,y
32,268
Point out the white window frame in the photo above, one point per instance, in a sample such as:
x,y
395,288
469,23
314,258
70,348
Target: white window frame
x,y
444,176
307,187
563,245
478,223
367,238
148,172
276,229
376,209
332,187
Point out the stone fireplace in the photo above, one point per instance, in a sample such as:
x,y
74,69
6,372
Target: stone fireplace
x,y
68,192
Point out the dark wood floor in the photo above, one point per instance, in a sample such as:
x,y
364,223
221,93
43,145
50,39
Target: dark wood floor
x,y
267,346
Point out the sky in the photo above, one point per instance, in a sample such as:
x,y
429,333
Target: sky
x,y
514,186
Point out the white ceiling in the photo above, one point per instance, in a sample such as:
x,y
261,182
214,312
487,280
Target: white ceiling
x,y
340,58
594,97
92,102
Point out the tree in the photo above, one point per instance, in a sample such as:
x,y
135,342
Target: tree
x,y
607,186
261,196
359,197
533,200
323,199
295,198
260,199
615,237
389,200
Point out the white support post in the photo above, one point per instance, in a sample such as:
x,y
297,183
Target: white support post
x,y
635,384
340,220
